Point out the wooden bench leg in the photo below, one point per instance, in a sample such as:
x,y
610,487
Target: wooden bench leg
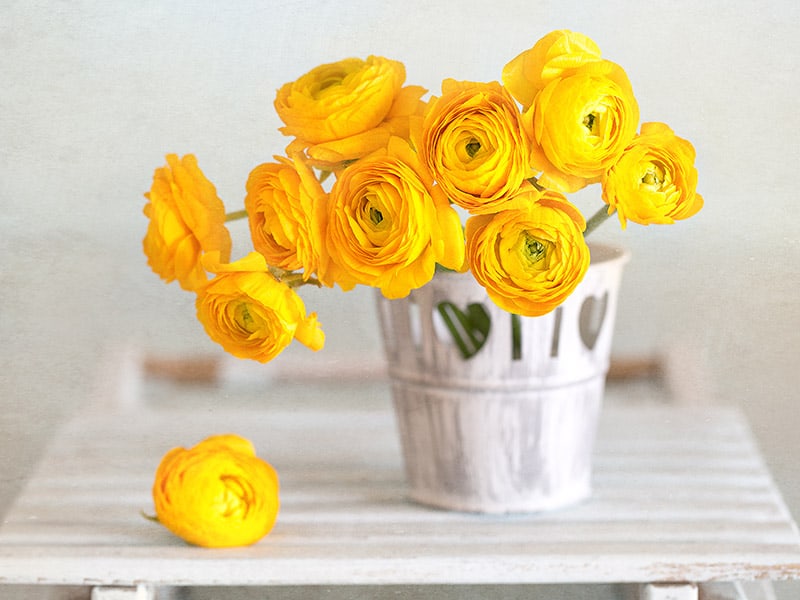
x,y
138,592
668,591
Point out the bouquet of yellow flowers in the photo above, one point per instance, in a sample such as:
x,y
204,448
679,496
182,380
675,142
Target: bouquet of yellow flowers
x,y
375,181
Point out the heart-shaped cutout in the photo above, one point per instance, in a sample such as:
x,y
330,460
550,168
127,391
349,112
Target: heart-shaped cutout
x,y
591,319
469,329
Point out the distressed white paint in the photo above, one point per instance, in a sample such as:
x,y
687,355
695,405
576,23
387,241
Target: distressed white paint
x,y
495,433
679,495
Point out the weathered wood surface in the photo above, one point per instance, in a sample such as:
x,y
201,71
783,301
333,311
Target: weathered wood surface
x,y
679,495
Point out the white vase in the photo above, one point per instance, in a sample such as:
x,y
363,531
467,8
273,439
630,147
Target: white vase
x,y
512,428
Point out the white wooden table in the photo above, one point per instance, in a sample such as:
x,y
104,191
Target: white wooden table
x,y
682,497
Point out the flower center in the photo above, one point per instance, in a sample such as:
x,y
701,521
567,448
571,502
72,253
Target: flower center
x,y
533,251
236,499
472,147
375,215
371,212
374,220
244,320
595,123
331,79
654,177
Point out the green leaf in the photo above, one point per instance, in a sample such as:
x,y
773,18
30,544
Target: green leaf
x,y
469,329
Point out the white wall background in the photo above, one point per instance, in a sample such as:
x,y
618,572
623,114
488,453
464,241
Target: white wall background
x,y
93,94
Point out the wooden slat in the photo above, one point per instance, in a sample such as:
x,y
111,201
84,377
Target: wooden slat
x,y
680,495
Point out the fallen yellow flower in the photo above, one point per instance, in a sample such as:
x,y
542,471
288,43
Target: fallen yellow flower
x,y
216,494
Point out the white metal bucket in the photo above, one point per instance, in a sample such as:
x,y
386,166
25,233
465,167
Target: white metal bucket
x,y
512,428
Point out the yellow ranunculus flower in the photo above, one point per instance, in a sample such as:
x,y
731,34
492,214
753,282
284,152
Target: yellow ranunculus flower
x,y
555,55
286,211
531,255
655,180
187,218
337,100
388,224
250,313
344,110
473,142
580,124
337,154
216,494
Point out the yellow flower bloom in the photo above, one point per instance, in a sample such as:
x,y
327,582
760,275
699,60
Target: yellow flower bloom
x,y
216,494
337,154
285,206
473,142
580,124
344,110
250,313
186,220
555,55
388,225
531,255
655,180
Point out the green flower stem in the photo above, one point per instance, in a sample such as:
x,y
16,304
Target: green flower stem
x,y
297,280
596,220
294,280
235,215
516,337
152,518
